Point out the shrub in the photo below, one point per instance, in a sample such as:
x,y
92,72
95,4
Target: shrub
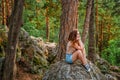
x,y
112,52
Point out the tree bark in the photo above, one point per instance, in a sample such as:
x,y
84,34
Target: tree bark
x,y
15,22
101,36
8,10
86,22
109,27
69,21
97,24
47,25
3,13
91,46
8,7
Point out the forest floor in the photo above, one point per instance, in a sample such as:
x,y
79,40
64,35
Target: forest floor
x,y
23,75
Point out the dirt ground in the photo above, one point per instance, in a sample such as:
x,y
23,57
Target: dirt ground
x,y
22,75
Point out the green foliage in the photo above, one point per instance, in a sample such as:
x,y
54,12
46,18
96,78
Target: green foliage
x,y
112,52
116,8
35,14
116,20
30,28
111,48
3,40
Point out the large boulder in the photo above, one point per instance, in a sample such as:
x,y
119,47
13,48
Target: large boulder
x,y
52,50
30,53
64,71
110,71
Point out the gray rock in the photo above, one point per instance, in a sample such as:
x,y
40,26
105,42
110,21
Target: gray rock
x,y
31,54
64,71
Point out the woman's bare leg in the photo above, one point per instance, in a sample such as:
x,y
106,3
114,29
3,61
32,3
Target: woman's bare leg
x,y
84,54
79,55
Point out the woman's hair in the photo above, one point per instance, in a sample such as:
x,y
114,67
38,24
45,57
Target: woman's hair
x,y
73,35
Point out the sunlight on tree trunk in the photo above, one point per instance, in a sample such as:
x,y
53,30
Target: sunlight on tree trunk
x,y
8,7
3,12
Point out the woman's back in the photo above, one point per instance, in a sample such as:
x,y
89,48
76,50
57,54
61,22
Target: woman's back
x,y
70,49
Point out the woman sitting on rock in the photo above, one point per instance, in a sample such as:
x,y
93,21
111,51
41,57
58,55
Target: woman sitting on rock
x,y
75,49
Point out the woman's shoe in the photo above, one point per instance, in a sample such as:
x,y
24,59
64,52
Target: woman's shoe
x,y
87,67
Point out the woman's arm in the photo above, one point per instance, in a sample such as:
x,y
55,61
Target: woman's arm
x,y
81,44
76,46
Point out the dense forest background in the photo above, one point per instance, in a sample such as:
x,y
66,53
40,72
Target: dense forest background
x,y
41,18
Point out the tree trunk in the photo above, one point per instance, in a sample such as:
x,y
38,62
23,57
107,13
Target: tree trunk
x,y
101,36
109,33
3,13
91,47
47,25
86,22
69,21
8,10
8,7
15,22
97,25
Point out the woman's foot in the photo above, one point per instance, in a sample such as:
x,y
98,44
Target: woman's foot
x,y
87,67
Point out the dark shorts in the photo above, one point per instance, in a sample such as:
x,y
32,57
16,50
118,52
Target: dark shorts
x,y
68,58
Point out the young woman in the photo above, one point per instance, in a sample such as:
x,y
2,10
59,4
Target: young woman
x,y
75,49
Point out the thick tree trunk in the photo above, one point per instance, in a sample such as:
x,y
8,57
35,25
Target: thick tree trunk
x,y
15,23
86,22
69,21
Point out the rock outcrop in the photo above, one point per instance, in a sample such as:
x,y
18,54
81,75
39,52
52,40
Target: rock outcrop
x,y
51,50
64,71
30,53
